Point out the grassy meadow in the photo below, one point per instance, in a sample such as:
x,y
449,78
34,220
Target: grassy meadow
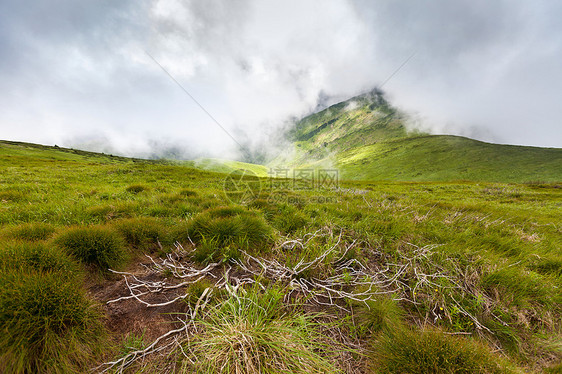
x,y
112,265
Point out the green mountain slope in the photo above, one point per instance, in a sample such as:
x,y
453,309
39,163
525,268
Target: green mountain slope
x,y
366,139
444,157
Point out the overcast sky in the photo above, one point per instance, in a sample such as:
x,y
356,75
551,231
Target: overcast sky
x,y
77,73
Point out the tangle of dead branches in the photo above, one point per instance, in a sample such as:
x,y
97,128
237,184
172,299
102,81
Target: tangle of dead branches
x,y
347,279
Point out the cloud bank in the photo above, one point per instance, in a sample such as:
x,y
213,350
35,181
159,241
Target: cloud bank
x,y
78,73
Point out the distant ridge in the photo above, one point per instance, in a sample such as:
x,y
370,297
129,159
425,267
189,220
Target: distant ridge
x,y
23,153
56,152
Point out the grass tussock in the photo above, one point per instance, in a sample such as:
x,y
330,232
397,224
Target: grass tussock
x,y
250,334
94,245
25,257
289,219
284,217
143,233
431,351
224,231
48,324
34,231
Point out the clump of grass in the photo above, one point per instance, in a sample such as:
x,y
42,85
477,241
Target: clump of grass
x,y
284,217
227,211
432,352
186,210
142,233
230,227
288,219
26,256
136,188
250,334
96,245
31,231
261,203
48,324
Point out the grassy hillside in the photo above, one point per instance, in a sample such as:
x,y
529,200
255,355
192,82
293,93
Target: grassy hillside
x,y
365,138
445,157
367,277
25,152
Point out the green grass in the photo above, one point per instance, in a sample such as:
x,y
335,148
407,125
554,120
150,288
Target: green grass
x,y
48,324
98,246
143,233
24,256
251,333
495,246
375,316
136,188
445,158
225,230
432,352
35,231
